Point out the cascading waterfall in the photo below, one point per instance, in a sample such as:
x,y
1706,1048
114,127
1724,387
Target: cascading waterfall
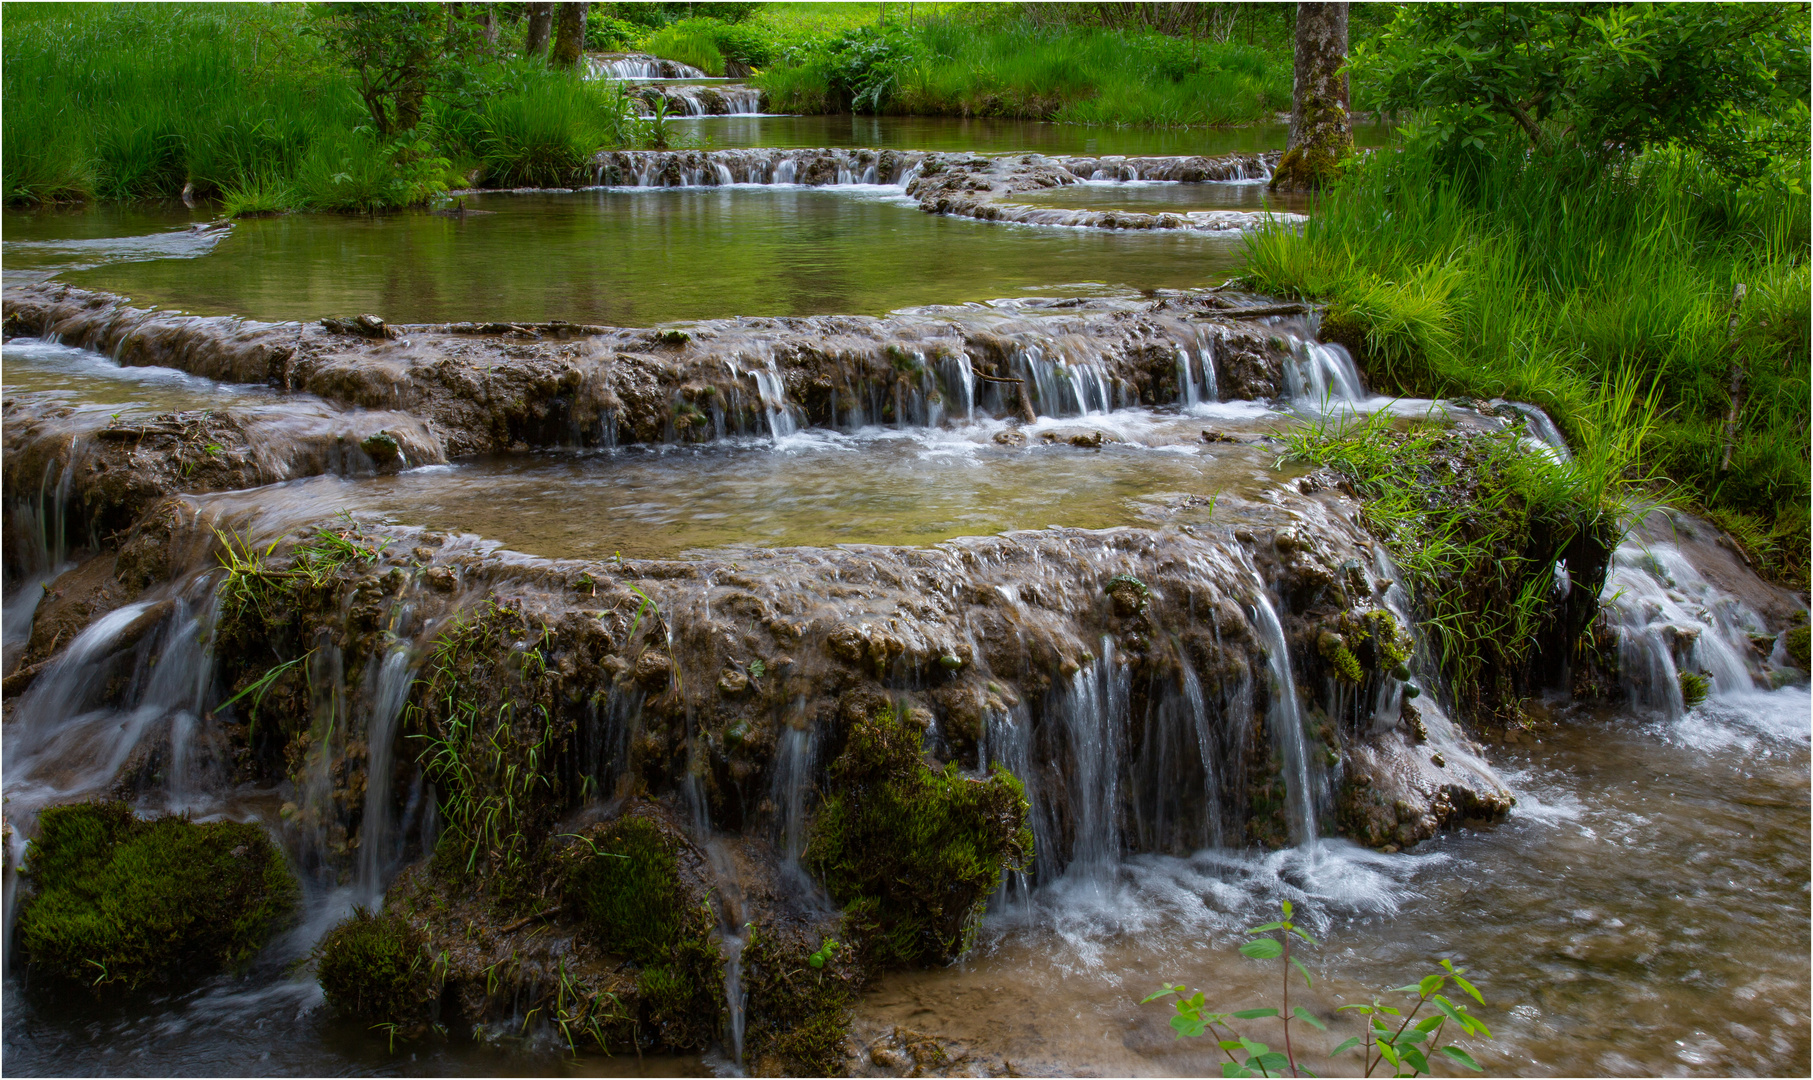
x,y
377,847
1286,722
1321,375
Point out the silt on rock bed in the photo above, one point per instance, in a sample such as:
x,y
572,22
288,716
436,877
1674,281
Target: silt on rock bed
x,y
790,694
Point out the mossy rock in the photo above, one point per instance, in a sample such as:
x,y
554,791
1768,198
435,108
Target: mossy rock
x,y
376,968
798,1013
638,887
122,903
910,852
1797,645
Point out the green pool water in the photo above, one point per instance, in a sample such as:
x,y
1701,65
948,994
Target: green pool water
x,y
630,258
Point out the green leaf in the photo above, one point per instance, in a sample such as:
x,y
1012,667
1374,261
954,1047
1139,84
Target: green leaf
x,y
1468,987
1303,935
1363,1010
1411,989
1274,1062
1429,1023
1233,1068
1298,964
1262,949
1254,1014
1344,1047
1416,1060
1460,1057
1430,984
1287,909
1166,992
1188,1027
1415,1035
1263,927
1307,1017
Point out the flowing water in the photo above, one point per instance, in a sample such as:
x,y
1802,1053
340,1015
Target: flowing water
x,y
986,135
1643,910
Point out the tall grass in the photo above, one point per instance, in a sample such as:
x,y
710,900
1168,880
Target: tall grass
x,y
962,66
238,102
1545,281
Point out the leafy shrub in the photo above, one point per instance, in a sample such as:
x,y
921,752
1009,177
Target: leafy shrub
x,y
376,968
123,903
911,853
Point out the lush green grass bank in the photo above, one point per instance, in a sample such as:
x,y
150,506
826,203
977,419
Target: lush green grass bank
x,y
1551,279
248,103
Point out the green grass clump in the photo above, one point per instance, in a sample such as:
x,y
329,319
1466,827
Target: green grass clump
x,y
122,904
690,41
376,968
1476,523
1553,280
911,853
798,1011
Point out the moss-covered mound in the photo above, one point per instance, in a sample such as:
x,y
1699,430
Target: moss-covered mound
x,y
625,881
123,903
910,852
376,968
799,995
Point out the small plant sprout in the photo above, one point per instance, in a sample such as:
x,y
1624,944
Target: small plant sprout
x,y
1408,1045
824,953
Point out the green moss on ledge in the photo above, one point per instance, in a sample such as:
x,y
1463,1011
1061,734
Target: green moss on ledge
x,y
912,853
122,903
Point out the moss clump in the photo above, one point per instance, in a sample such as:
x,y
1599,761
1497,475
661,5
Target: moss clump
x,y
123,903
1334,650
625,881
1797,645
798,1014
376,968
1694,687
912,853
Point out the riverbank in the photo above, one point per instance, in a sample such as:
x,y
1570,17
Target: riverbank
x,y
1561,282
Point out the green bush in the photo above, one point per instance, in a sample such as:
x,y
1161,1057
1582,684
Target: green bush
x,y
911,853
122,903
543,130
376,968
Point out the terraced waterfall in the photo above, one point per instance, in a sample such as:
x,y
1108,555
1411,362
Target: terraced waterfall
x,y
895,651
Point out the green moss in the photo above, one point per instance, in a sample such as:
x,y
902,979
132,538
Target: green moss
x,y
629,892
1797,645
913,853
625,882
1340,657
376,968
123,903
1694,688
798,1014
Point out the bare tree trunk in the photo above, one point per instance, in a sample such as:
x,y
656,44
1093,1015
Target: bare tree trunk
x,y
488,23
569,36
541,27
1321,130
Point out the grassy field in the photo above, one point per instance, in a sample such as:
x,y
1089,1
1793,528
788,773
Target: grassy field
x,y
973,60
1547,281
240,102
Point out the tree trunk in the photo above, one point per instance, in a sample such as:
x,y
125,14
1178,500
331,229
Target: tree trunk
x,y
1321,132
488,23
569,36
541,27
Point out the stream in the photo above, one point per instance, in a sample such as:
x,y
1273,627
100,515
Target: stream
x,y
1641,910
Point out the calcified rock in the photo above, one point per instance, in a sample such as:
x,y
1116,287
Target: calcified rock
x,y
490,387
963,185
